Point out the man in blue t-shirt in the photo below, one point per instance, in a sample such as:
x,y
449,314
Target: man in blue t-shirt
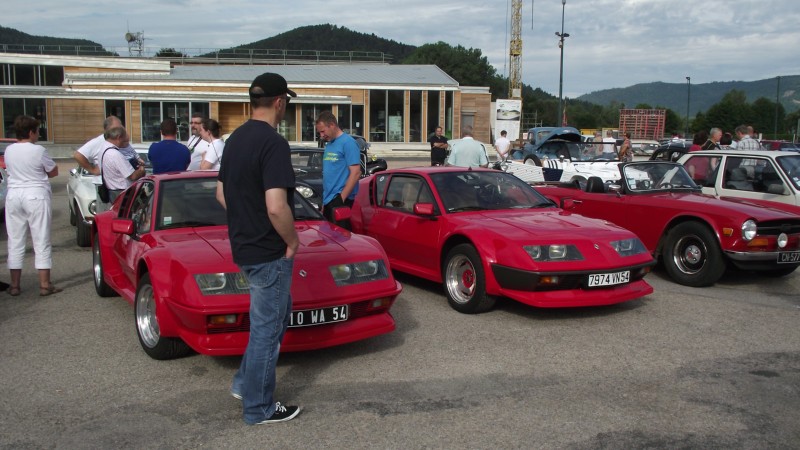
x,y
168,155
341,166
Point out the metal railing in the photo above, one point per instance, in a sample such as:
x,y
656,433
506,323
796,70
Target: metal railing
x,y
207,55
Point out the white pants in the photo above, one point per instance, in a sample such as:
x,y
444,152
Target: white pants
x,y
29,208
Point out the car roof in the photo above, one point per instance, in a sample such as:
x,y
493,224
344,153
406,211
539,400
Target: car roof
x,y
733,152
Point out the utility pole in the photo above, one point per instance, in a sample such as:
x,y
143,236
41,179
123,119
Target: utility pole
x,y
777,106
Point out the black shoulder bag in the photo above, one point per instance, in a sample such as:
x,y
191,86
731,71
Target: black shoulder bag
x,y
102,189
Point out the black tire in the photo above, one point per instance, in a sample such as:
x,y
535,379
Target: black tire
x,y
533,160
692,256
100,286
781,272
145,314
73,217
465,281
83,234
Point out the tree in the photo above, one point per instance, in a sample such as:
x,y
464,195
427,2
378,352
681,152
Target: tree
x,y
467,66
732,111
169,53
763,115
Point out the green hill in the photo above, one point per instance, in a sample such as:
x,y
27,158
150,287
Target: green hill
x,y
19,42
327,38
703,96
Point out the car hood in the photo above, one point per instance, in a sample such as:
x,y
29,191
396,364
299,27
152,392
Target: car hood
x,y
545,225
757,209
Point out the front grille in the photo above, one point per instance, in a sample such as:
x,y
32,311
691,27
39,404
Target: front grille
x,y
776,227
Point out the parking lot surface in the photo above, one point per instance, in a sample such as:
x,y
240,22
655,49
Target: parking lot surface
x,y
714,367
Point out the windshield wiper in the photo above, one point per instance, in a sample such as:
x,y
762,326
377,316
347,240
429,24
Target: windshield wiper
x,y
466,208
189,224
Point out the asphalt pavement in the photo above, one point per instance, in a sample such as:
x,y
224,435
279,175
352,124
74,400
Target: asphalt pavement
x,y
715,367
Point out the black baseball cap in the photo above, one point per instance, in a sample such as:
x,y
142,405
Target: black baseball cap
x,y
272,85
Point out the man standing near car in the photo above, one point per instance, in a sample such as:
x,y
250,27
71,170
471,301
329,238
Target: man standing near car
x,y
467,152
501,146
196,145
256,186
713,140
117,172
746,142
168,155
438,148
341,166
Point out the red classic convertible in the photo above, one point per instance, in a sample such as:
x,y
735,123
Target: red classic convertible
x,y
487,234
695,235
164,247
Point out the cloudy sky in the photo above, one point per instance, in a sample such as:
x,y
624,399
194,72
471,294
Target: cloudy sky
x,y
612,43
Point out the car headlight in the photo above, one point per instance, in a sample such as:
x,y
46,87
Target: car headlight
x,y
628,247
749,229
361,272
305,191
93,207
222,283
553,252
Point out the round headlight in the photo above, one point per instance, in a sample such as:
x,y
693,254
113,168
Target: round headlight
x,y
93,207
783,239
749,230
305,191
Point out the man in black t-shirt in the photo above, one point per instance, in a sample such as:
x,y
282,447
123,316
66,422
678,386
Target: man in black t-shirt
x,y
438,148
256,187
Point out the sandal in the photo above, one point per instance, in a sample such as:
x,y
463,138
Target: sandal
x,y
13,291
49,290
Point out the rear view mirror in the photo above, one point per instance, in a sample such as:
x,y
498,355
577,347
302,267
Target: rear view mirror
x,y
122,226
341,214
423,209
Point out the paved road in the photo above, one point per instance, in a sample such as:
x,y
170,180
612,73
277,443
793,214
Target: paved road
x,y
682,368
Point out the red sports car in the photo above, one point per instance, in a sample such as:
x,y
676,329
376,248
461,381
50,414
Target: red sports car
x,y
695,235
487,234
164,247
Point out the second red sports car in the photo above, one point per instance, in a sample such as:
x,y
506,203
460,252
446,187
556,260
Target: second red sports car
x,y
486,234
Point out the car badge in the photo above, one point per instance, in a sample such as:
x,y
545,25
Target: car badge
x,y
302,273
596,247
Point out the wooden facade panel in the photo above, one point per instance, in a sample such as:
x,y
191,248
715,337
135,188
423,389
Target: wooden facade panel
x,y
74,121
231,115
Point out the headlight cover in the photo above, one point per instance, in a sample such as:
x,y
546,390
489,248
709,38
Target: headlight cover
x,y
222,283
360,272
628,247
553,252
749,230
93,207
305,191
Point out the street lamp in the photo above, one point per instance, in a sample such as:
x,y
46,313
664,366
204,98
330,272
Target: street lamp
x,y
561,36
777,103
688,97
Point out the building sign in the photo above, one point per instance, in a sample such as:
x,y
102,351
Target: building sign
x,y
509,113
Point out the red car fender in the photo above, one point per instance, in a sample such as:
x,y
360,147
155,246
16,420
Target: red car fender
x,y
158,265
112,272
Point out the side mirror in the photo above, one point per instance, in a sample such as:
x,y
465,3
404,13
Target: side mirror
x,y
122,226
568,204
423,209
341,214
73,171
614,188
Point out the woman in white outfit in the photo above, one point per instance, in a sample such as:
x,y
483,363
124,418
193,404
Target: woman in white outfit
x,y
28,204
209,131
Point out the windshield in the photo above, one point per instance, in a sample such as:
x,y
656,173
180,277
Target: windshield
x,y
655,176
192,202
790,165
478,190
306,161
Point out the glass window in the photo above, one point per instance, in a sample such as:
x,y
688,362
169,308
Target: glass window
x,y
116,108
153,113
34,107
394,112
5,74
288,126
24,75
448,114
141,210
377,116
343,117
357,119
53,76
308,118
433,112
415,116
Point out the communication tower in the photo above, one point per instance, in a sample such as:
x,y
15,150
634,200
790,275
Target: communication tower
x,y
135,43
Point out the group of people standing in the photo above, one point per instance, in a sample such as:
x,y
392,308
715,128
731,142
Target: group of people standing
x,y
716,139
467,151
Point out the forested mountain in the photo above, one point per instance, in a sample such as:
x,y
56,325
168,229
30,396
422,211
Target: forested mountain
x,y
329,37
703,96
15,37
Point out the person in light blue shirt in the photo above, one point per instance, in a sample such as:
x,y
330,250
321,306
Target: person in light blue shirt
x,y
467,152
341,166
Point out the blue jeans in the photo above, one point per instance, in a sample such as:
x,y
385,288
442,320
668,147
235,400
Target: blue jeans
x,y
270,310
